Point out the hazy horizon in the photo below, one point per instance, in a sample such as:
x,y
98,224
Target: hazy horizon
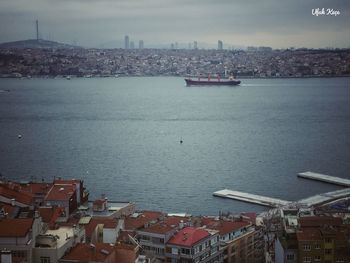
x,y
238,23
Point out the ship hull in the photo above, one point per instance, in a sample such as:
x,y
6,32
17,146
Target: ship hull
x,y
191,82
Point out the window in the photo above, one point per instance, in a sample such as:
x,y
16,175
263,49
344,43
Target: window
x,y
307,247
20,253
174,251
317,246
290,256
328,251
317,258
45,260
185,251
307,259
339,260
328,240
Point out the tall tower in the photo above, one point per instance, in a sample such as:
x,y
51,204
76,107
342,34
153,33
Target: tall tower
x,y
141,44
195,45
220,45
126,39
37,30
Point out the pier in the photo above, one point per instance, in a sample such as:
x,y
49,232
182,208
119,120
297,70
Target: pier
x,y
325,198
318,199
251,198
325,178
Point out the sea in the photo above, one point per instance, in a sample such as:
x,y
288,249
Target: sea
x,y
122,137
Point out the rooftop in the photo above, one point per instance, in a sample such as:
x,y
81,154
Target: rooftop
x,y
12,191
15,227
139,220
224,226
90,253
158,228
61,192
188,236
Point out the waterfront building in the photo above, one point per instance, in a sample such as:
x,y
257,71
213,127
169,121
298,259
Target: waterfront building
x,y
153,239
240,241
19,235
101,229
314,239
323,239
194,245
53,245
139,220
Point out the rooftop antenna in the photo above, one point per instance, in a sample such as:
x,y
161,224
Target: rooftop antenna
x,y
37,30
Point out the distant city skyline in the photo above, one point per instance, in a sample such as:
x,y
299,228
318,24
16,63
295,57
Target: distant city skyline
x,y
92,23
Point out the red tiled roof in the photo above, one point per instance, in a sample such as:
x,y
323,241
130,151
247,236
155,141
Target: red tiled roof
x,y
140,221
61,192
188,236
223,226
158,228
106,222
309,234
46,213
124,236
87,253
317,221
15,227
175,220
15,193
36,188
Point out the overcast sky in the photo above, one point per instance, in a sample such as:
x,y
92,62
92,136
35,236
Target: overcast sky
x,y
275,23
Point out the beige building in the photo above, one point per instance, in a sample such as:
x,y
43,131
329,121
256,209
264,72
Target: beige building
x,y
52,245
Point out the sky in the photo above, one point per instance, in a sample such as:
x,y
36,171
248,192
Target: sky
x,y
91,23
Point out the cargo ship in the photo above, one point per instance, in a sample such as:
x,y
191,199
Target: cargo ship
x,y
214,82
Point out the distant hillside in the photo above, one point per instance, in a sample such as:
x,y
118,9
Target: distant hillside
x,y
33,43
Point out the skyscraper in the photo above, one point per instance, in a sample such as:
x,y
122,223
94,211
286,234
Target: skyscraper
x,y
126,39
132,46
220,45
195,45
37,30
141,44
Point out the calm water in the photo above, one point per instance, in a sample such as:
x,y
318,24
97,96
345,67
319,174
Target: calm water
x,y
122,137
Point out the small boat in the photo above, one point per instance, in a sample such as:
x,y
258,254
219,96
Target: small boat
x,y
214,82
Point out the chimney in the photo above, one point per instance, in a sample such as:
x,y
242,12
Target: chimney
x,y
6,256
13,201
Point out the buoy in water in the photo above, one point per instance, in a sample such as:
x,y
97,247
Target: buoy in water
x,y
181,141
19,136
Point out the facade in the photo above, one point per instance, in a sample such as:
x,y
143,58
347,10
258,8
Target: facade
x,y
126,42
240,241
19,236
192,245
62,195
52,245
153,239
286,249
141,44
220,45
